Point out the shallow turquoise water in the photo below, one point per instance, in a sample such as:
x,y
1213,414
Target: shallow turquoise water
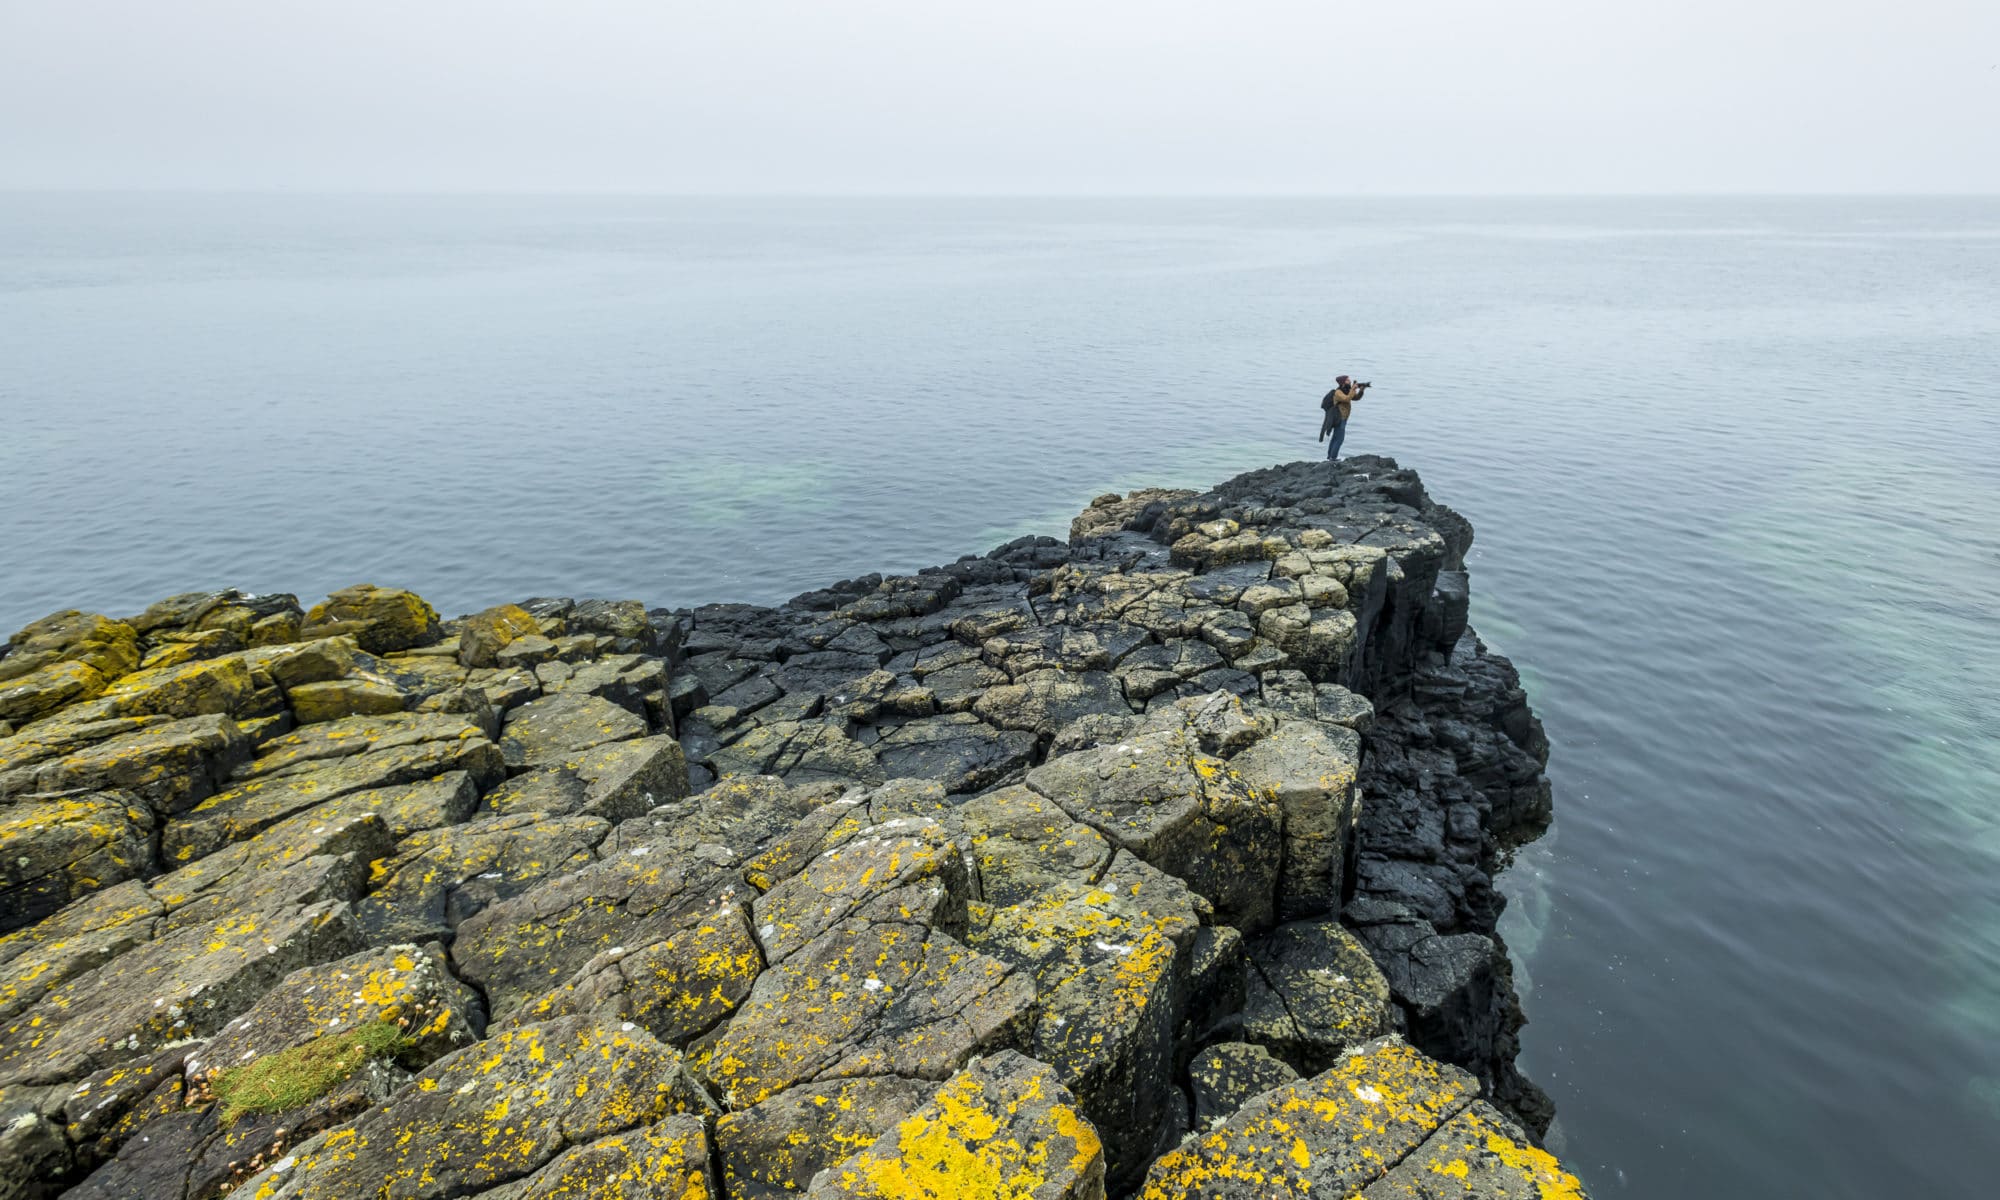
x,y
1732,464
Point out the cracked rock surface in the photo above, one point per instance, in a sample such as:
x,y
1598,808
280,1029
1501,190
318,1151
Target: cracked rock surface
x,y
1158,861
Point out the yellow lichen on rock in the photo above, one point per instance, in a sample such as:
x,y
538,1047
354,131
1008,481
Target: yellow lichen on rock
x,y
1002,1129
1353,1121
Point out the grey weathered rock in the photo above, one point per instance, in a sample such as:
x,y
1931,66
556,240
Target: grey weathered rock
x,y
617,780
1313,994
494,1113
775,1149
53,851
1333,1134
955,883
1182,810
1225,1076
544,732
189,973
866,998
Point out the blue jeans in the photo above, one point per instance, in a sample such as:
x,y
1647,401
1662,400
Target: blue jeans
x,y
1333,440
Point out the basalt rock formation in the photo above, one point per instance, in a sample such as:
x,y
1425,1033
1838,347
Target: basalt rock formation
x,y
1154,862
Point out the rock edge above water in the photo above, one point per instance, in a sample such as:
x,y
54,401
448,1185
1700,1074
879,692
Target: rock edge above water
x,y
1154,862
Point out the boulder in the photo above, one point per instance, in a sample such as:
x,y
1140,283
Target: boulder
x,y
482,636
380,620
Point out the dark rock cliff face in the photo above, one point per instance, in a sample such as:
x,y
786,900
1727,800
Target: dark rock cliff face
x,y
1452,773
1158,861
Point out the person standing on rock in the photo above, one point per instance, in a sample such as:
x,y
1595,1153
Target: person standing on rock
x,y
1337,404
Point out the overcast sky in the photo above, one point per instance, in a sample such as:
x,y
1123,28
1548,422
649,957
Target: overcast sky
x,y
1004,96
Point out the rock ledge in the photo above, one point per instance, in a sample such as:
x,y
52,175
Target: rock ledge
x,y
1155,862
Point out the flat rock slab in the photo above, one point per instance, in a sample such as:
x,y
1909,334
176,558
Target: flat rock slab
x,y
250,806
545,732
1161,797
316,746
405,985
1023,843
361,837
666,1161
208,963
866,998
440,877
1041,702
83,936
169,765
773,1150
908,871
1003,1128
1331,1135
641,893
958,750
53,851
676,988
1477,1155
616,781
491,1114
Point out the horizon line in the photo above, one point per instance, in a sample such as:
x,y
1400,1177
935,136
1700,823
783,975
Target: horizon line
x,y
669,194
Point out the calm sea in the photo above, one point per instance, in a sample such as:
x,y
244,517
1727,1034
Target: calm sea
x,y
1732,462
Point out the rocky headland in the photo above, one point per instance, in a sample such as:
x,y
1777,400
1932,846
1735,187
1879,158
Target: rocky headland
x,y
1155,862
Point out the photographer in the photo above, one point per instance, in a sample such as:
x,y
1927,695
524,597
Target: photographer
x,y
1337,404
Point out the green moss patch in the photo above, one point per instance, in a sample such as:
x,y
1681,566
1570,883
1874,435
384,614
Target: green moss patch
x,y
304,1073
